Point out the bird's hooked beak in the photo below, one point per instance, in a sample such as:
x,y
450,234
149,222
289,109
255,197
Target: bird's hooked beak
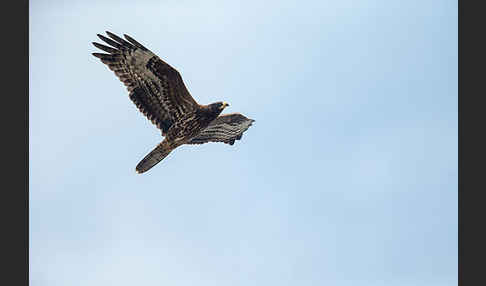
x,y
224,105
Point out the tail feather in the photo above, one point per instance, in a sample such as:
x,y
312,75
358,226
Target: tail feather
x,y
154,157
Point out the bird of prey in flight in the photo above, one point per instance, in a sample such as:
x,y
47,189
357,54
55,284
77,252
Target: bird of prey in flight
x,y
159,93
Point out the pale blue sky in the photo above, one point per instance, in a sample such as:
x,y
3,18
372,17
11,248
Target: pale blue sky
x,y
347,177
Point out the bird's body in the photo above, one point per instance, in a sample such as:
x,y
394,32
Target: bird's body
x,y
191,124
159,93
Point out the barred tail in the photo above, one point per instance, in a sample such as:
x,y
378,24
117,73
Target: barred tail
x,y
154,157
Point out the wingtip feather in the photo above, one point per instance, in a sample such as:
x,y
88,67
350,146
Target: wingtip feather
x,y
100,55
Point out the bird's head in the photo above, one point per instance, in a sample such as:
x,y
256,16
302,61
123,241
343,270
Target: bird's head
x,y
218,106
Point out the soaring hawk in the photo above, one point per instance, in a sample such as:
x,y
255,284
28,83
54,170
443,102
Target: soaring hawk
x,y
158,91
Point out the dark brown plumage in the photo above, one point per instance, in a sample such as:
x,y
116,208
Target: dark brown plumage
x,y
158,91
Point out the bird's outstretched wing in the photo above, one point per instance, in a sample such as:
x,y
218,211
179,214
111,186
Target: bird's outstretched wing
x,y
225,128
154,86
